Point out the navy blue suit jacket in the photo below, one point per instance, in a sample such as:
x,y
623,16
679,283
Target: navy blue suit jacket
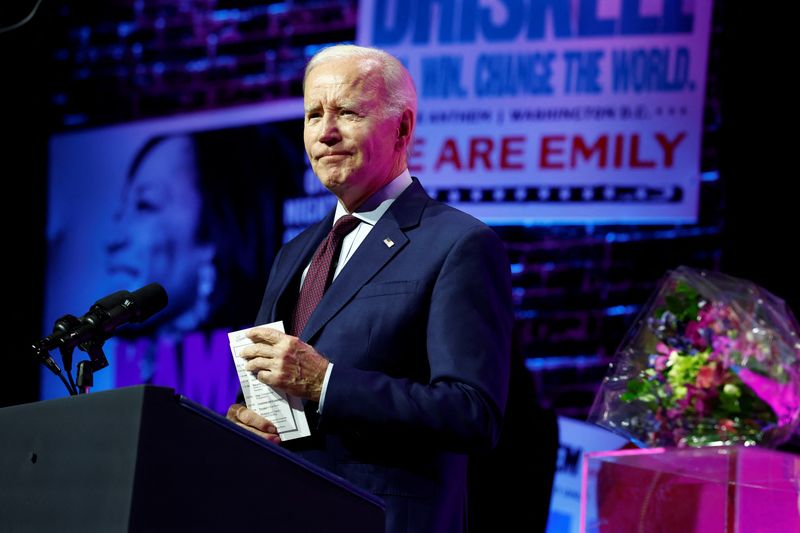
x,y
419,334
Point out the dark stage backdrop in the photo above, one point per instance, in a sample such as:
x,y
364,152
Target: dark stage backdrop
x,y
82,65
78,66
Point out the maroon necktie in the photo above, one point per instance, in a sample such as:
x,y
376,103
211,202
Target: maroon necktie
x,y
320,273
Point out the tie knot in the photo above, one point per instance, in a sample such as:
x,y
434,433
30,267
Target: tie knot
x,y
345,225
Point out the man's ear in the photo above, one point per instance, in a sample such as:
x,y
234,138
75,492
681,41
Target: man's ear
x,y
406,129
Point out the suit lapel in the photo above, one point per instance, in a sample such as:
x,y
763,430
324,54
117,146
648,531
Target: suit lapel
x,y
372,255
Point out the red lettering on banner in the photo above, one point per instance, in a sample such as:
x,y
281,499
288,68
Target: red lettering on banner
x,y
506,151
548,151
619,141
579,147
415,155
449,154
557,152
669,147
480,148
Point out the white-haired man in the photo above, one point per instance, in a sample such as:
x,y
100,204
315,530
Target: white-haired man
x,y
407,351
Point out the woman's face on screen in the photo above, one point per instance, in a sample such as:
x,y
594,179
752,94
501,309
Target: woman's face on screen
x,y
155,226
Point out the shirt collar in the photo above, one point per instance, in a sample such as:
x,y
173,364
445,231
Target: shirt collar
x,y
376,205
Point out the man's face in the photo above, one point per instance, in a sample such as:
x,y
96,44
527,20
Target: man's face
x,y
353,147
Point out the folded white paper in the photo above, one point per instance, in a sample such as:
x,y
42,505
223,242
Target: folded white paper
x,y
283,410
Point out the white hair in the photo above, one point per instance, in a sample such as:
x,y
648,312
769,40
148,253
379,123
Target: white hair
x,y
401,94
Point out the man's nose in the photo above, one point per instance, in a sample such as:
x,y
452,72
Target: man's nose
x,y
330,134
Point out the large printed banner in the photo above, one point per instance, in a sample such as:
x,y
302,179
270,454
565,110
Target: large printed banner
x,y
554,111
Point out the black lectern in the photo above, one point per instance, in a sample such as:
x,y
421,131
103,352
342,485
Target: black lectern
x,y
143,459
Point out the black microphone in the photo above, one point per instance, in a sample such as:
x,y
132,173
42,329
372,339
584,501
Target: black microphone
x,y
106,315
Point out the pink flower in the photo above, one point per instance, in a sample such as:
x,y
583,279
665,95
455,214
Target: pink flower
x,y
726,425
679,436
695,333
730,350
705,377
673,413
700,406
722,345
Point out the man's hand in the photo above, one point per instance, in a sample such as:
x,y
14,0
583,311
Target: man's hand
x,y
254,422
285,362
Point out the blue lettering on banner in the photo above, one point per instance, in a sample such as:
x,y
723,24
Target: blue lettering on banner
x,y
469,17
200,366
460,21
304,211
651,70
511,75
447,17
569,459
509,28
582,71
385,34
588,23
441,77
559,12
209,374
630,22
672,19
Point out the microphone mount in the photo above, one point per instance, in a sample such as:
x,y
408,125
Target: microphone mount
x,y
90,332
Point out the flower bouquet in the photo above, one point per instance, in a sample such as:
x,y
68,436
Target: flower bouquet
x,y
711,361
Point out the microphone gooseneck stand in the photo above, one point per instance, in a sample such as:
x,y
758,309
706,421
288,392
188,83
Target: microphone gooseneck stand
x,y
90,332
86,368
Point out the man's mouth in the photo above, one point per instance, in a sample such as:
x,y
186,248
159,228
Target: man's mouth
x,y
334,155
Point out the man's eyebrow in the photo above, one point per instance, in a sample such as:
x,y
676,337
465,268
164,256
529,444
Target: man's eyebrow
x,y
348,103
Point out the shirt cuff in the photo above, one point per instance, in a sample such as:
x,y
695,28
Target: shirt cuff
x,y
324,387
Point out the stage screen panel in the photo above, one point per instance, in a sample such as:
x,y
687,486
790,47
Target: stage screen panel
x,y
194,203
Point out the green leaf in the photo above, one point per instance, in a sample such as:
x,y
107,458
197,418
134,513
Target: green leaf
x,y
627,397
729,402
636,386
684,302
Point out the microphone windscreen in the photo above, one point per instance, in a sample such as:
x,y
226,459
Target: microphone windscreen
x,y
148,300
101,310
111,301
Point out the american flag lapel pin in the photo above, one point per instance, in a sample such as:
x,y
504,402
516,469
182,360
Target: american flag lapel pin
x,y
388,242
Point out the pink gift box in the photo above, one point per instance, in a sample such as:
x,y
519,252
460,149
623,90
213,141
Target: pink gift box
x,y
708,490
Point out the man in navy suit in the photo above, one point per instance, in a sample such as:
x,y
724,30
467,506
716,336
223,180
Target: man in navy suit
x,y
404,362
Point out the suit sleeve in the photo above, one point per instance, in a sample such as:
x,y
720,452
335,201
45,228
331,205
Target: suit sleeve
x,y
468,337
